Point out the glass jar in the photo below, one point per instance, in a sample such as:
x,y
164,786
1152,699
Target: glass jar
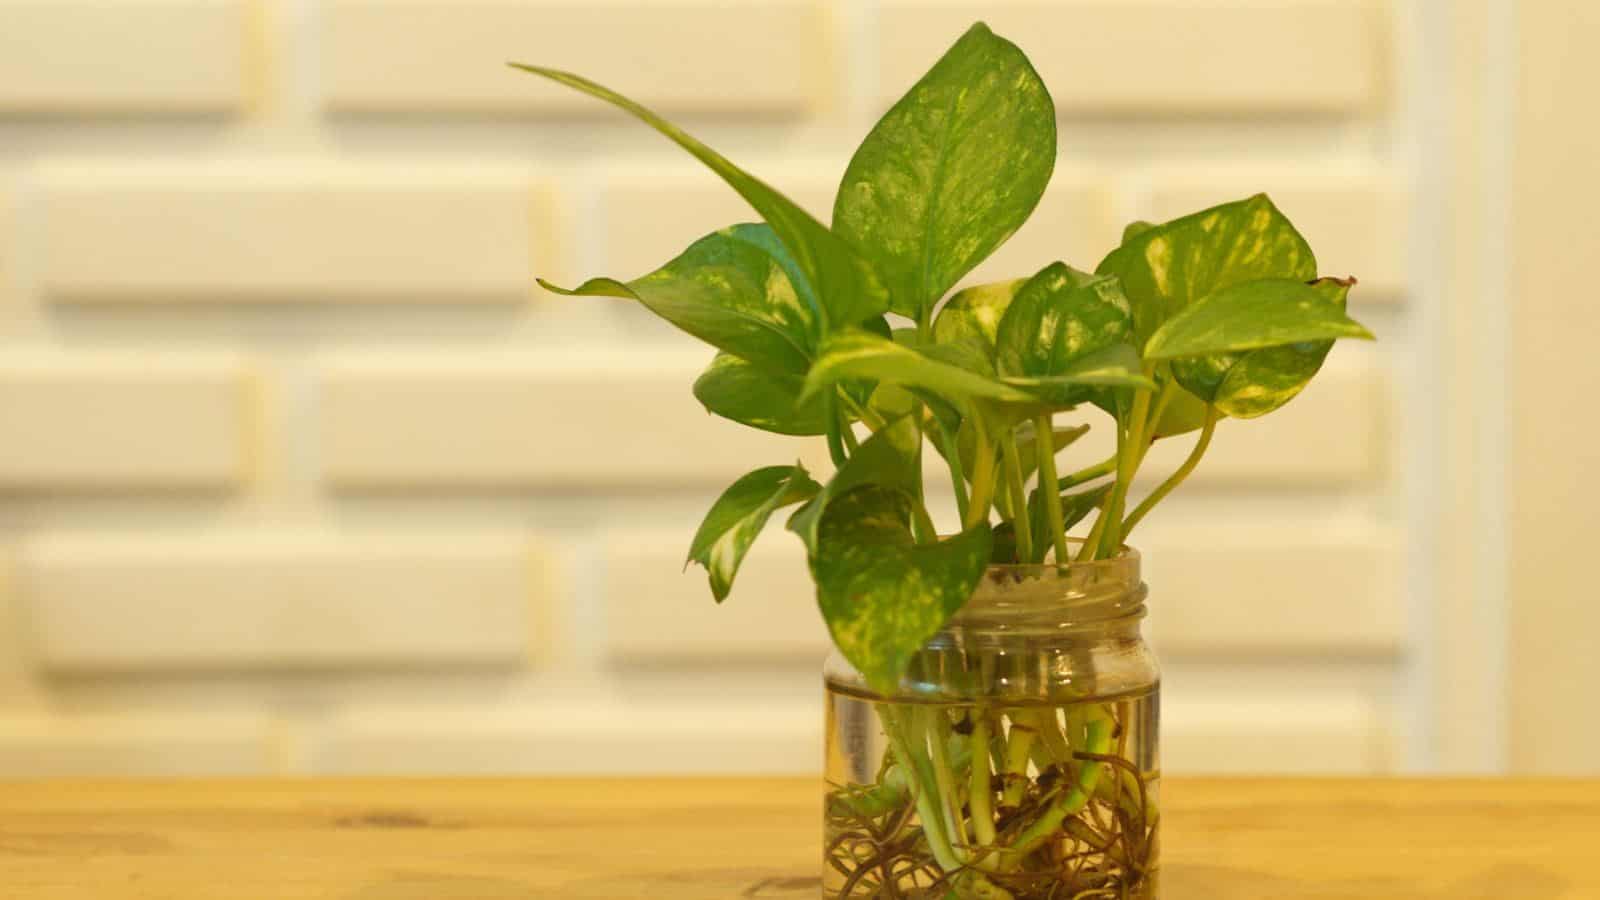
x,y
1016,759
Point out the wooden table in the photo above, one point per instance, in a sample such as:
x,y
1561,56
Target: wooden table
x,y
710,840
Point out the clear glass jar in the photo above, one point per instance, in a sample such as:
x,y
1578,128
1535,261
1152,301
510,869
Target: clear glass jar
x,y
1018,757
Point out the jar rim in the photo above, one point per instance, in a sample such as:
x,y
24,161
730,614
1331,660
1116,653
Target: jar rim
x,y
1096,592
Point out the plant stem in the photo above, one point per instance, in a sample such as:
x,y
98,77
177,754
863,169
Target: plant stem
x,y
835,442
922,524
1052,494
1160,493
1129,447
922,788
982,478
937,729
950,449
1099,469
1019,499
1071,803
980,793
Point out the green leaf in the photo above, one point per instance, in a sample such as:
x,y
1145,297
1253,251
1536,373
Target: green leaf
x,y
1256,382
882,594
951,171
730,291
973,315
1165,268
1116,366
736,389
1058,318
1134,229
1267,313
886,459
739,515
858,354
845,284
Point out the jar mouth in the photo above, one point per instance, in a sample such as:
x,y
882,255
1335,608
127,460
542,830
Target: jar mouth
x,y
1030,596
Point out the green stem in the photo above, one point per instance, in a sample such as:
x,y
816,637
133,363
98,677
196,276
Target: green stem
x,y
1019,744
950,449
982,479
1019,499
1070,803
1129,447
980,792
835,442
1098,470
1160,493
922,788
922,524
1052,495
937,729
864,413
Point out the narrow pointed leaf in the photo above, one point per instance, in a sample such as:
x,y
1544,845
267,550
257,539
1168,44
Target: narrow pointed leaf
x,y
738,516
739,390
1254,314
886,459
845,284
1165,268
729,291
882,594
951,171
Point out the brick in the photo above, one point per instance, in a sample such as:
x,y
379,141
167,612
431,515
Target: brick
x,y
1358,224
598,420
1270,733
704,738
273,232
128,604
1333,434
39,746
651,215
72,57
85,422
1300,587
656,613
1160,57
678,56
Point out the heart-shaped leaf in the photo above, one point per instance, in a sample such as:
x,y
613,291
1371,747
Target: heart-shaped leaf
x,y
886,459
1253,314
950,171
973,315
730,291
1165,268
1059,317
736,389
1255,382
847,287
882,594
739,515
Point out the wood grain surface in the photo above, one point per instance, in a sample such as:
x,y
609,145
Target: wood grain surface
x,y
714,839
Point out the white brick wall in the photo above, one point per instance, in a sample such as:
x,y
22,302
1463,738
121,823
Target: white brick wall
x,y
147,57
299,473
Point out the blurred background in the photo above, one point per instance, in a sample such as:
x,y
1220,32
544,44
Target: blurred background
x,y
300,474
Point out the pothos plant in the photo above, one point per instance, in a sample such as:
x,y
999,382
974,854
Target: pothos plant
x,y
1218,314
850,332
